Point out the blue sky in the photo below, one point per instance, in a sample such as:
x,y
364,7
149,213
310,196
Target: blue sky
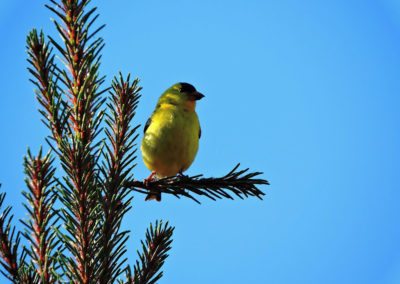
x,y
305,91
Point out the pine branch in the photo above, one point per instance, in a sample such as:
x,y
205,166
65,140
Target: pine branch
x,y
154,253
28,275
42,217
236,182
55,109
9,243
119,156
78,151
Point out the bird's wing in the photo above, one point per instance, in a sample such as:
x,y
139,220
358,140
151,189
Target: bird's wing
x,y
147,125
199,132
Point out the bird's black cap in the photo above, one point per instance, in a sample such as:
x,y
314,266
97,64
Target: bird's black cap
x,y
191,91
187,88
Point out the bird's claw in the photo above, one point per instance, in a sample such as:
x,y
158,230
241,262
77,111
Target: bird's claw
x,y
181,175
149,179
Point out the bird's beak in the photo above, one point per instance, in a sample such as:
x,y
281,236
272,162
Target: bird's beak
x,y
197,96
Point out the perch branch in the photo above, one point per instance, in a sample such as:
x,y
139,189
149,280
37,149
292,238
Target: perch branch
x,y
240,183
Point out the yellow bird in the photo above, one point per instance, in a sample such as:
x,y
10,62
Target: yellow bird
x,y
172,133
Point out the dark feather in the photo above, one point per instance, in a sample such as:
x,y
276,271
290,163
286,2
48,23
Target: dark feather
x,y
187,88
153,196
199,132
147,125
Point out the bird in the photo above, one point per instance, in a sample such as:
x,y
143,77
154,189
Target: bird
x,y
171,134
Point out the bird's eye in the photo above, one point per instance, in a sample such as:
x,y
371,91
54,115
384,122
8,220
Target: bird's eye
x,y
187,88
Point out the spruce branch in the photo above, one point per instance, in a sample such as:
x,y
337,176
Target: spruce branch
x,y
78,152
154,253
45,78
240,183
28,275
9,243
42,217
118,158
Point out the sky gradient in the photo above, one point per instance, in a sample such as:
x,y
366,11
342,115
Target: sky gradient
x,y
306,91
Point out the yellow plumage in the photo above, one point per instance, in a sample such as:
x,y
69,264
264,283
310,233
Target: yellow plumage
x,y
171,136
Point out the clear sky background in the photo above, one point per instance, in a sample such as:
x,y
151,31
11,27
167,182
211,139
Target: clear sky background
x,y
306,91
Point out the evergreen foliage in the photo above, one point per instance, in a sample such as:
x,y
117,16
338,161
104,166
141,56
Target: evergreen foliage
x,y
73,231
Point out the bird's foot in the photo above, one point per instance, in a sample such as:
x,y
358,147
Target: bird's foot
x,y
182,175
151,195
150,178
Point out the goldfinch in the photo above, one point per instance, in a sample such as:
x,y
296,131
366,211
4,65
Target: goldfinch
x,y
172,133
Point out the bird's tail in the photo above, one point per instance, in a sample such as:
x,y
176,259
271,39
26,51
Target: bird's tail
x,y
153,196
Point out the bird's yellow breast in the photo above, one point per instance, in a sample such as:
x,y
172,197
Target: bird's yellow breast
x,y
171,140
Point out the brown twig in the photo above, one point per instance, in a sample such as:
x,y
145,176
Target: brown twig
x,y
238,183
